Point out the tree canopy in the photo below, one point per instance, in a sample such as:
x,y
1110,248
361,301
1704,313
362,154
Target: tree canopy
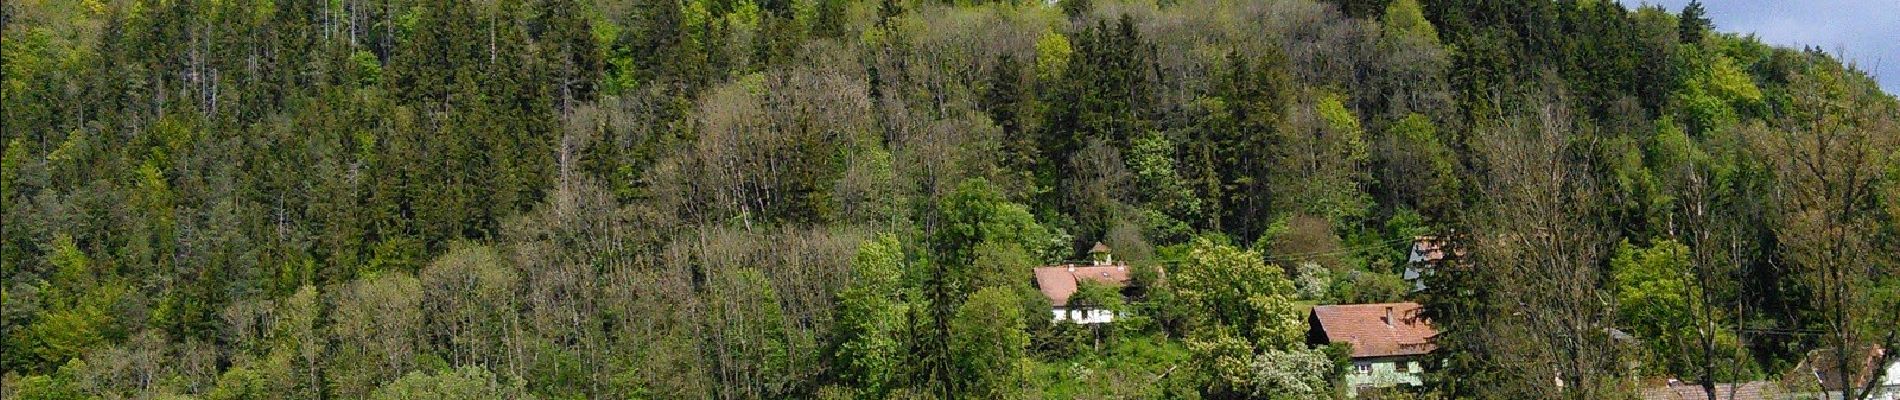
x,y
743,199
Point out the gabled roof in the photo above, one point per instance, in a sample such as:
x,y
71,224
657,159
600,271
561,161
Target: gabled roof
x,y
1058,282
1821,365
1099,248
1430,249
1366,328
1724,391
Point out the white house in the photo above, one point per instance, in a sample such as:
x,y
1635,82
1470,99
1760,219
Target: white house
x,y
1059,282
1390,341
1427,252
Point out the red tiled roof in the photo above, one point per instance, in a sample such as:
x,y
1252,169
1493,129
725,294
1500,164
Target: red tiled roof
x,y
1365,327
1058,282
1687,391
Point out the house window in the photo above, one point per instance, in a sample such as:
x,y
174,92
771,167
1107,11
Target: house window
x,y
1362,368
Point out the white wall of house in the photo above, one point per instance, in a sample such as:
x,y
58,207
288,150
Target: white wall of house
x,y
1893,374
1083,315
1384,372
1891,382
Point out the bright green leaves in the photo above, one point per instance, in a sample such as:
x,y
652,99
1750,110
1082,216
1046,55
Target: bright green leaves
x,y
1653,285
987,342
1658,300
1240,310
1170,202
750,326
1731,83
1351,143
69,330
1421,167
1404,24
79,304
1052,55
976,213
1235,288
869,349
367,69
58,386
1324,171
1716,94
71,265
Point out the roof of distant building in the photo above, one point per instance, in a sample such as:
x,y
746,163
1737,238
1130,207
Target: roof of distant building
x,y
1058,282
1725,391
1822,366
1430,249
1377,330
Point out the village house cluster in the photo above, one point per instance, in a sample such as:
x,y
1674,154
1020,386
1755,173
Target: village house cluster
x,y
1392,343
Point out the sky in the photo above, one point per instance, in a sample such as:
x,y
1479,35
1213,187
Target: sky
x,y
1865,32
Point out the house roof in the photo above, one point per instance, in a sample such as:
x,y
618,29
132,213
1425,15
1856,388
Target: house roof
x,y
1366,328
1099,248
1725,391
1429,249
1058,282
1821,365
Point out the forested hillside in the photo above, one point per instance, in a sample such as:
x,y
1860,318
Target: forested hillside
x,y
748,199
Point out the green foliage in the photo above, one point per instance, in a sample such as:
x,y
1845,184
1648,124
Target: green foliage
x,y
1235,144
1053,52
1241,309
870,319
1138,367
241,383
79,307
751,325
977,214
58,386
987,341
1404,23
1235,289
1297,373
1693,24
1656,301
1425,171
459,383
844,199
1716,94
1361,287
1097,295
1327,157
1163,187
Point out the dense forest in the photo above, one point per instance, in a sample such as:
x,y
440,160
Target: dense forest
x,y
838,199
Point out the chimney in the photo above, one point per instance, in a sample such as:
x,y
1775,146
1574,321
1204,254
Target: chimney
x,y
1071,267
1388,316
